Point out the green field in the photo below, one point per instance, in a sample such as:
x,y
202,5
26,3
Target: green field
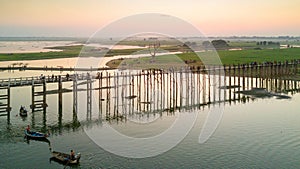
x,y
227,57
76,51
68,51
247,56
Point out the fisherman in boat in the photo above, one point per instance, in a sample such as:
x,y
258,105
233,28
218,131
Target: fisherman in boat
x,y
72,155
21,109
28,128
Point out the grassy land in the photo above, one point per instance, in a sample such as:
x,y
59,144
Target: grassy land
x,y
68,51
160,62
74,51
242,44
247,56
227,57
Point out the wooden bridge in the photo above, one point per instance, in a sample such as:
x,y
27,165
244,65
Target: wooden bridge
x,y
155,90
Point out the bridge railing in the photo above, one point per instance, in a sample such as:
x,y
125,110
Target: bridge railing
x,y
257,67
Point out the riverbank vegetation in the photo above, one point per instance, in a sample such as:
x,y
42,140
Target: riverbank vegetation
x,y
68,51
229,52
226,57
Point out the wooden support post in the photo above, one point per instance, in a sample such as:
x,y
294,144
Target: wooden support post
x,y
229,85
161,89
243,74
256,75
170,90
44,93
60,96
181,89
204,86
186,88
239,81
116,81
209,85
214,84
32,106
192,88
198,86
107,97
108,92
276,84
8,104
153,89
225,82
59,104
219,83
176,89
140,91
248,76
100,92
75,96
148,90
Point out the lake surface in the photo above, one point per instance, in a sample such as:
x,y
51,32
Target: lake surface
x,y
31,46
43,46
257,133
260,133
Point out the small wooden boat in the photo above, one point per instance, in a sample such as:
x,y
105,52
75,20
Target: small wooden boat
x,y
35,135
64,158
23,112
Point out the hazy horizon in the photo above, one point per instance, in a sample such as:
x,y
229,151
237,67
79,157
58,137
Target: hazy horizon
x,y
33,18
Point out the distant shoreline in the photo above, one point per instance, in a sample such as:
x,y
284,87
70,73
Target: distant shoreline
x,y
251,50
80,39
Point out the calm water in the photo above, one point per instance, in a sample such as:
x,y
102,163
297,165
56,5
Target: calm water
x,y
41,46
261,133
258,134
30,46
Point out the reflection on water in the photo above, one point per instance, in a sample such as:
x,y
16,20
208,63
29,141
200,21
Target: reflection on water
x,y
259,134
249,134
28,140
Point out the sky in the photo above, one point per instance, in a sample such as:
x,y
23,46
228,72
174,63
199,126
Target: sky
x,y
82,18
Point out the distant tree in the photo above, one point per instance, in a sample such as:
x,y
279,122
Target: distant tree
x,y
274,43
264,42
153,48
220,44
207,45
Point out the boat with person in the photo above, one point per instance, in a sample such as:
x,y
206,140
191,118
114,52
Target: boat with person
x,y
23,111
64,158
